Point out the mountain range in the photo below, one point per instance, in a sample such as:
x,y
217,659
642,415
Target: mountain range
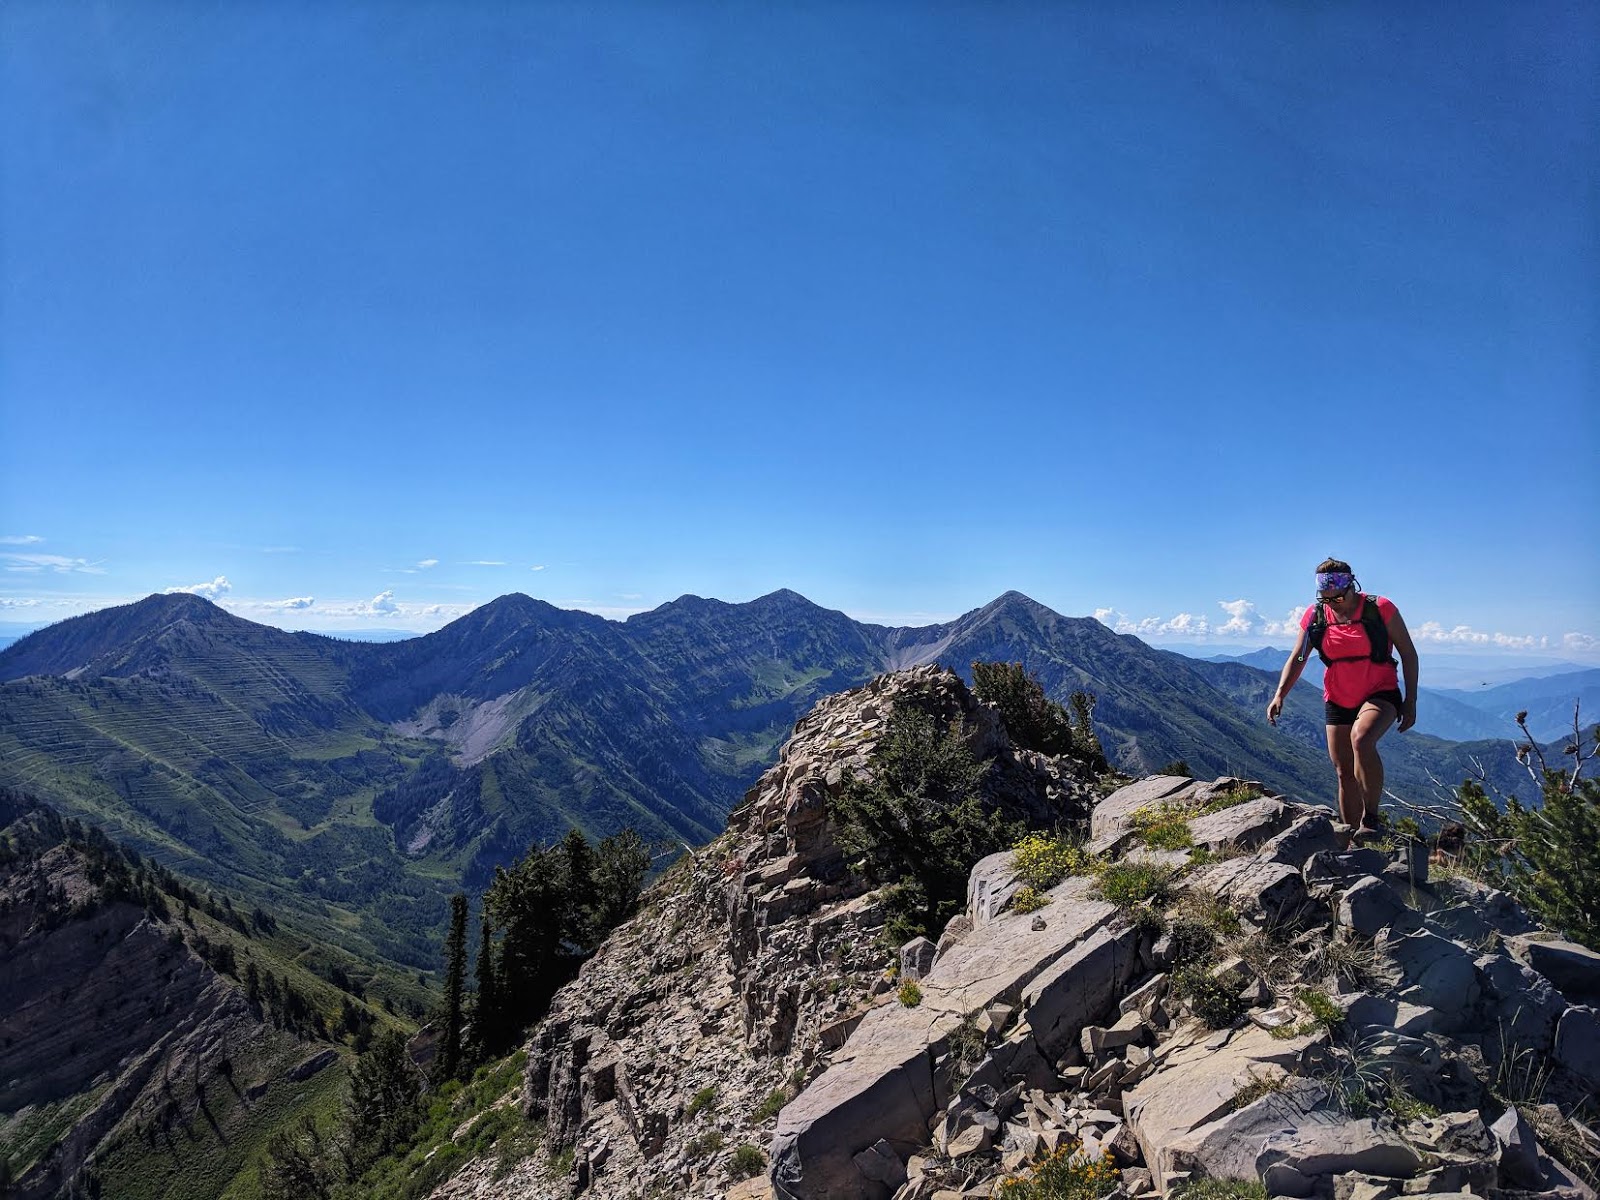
x,y
354,784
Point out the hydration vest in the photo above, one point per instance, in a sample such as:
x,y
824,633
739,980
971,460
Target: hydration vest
x,y
1371,621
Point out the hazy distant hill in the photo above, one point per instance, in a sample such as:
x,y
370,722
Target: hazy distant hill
x,y
311,771
1548,702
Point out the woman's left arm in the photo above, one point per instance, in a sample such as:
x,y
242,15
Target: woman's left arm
x,y
1401,637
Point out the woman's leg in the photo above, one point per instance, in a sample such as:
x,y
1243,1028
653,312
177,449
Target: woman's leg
x,y
1372,722
1343,755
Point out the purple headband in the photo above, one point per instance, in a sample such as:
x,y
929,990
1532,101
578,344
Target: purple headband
x,y
1334,580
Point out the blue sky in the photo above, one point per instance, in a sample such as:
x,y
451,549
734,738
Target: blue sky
x,y
362,314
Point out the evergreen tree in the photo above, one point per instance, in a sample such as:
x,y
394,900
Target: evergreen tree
x,y
917,822
623,861
577,867
486,1018
298,1165
448,1065
385,1100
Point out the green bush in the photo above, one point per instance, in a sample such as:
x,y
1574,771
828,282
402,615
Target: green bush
x,y
1548,855
1164,828
748,1161
771,1106
706,1144
1215,1001
910,994
915,821
702,1102
1239,793
1127,884
1067,1174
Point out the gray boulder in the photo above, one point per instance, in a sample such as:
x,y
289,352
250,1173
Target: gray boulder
x,y
1577,1044
1309,835
1265,891
1369,906
1301,1161
1519,1151
1245,825
1112,820
1574,969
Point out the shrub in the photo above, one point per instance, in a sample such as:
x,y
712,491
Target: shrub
x,y
1259,1086
916,822
1164,828
1324,1012
702,1102
1547,855
1042,861
1221,1189
910,994
1126,884
1026,900
966,1045
705,1144
1215,1001
1034,721
1068,1174
771,1106
1239,793
747,1161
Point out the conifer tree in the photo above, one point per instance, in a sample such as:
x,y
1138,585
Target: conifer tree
x,y
385,1100
448,1065
486,1017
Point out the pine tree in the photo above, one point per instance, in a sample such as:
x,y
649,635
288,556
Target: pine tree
x,y
385,1100
486,1020
448,1065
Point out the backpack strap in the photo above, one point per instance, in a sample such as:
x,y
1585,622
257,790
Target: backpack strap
x,y
1315,632
1377,631
1371,620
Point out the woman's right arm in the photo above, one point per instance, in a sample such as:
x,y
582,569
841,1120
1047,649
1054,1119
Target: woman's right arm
x,y
1290,676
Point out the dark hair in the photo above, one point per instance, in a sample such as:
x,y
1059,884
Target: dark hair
x,y
1334,564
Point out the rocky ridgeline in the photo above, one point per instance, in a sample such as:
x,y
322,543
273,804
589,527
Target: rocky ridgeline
x,y
1356,1031
111,1026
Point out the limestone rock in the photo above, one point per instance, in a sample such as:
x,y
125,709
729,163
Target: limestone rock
x,y
1290,1163
1519,1151
1244,826
1369,906
1573,969
1577,1044
1113,816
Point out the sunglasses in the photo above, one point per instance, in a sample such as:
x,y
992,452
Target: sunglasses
x,y
1331,596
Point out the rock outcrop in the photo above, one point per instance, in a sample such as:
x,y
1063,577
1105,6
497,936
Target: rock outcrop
x,y
1280,1006
116,1033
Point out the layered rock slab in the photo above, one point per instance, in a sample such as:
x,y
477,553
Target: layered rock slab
x,y
882,1085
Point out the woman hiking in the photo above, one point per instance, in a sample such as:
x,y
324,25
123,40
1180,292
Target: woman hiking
x,y
1353,634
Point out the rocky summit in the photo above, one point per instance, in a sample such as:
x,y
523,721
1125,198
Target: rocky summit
x,y
1218,984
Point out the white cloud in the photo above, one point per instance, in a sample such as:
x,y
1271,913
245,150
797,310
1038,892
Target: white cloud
x,y
280,549
1579,643
60,564
21,539
484,562
1436,634
19,602
1244,621
383,604
211,591
1241,617
289,605
540,567
426,563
